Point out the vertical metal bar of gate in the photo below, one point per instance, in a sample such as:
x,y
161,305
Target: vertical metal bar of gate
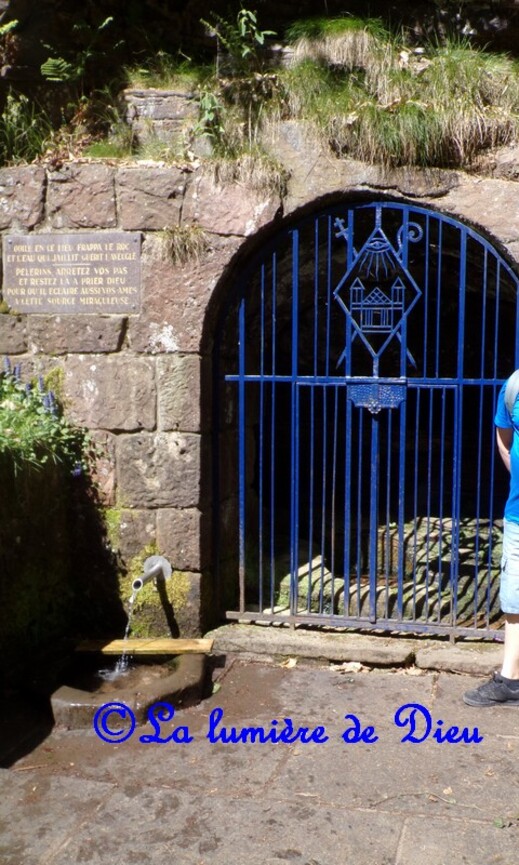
x,y
294,434
241,451
261,457
458,429
272,520
373,519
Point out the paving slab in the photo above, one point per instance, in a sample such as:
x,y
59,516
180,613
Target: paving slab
x,y
467,842
76,799
210,830
301,643
476,658
39,814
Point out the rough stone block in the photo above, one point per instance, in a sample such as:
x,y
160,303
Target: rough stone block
x,y
175,299
159,470
228,209
477,660
503,162
22,194
114,393
133,530
82,196
295,145
13,335
160,114
188,602
156,104
494,204
182,538
150,198
71,333
103,473
179,389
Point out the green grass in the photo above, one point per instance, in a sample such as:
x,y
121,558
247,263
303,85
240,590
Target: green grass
x,y
167,72
183,243
252,169
441,107
320,27
25,130
108,149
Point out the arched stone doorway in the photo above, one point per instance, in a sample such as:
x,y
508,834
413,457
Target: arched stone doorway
x,y
356,365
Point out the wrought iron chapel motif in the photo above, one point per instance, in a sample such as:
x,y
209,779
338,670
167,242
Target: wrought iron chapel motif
x,y
377,291
356,367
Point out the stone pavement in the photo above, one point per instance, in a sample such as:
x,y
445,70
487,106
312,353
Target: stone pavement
x,y
72,798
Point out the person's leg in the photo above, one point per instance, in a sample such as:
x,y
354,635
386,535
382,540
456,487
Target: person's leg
x,y
503,688
510,668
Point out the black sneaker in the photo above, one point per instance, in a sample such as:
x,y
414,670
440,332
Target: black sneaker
x,y
494,693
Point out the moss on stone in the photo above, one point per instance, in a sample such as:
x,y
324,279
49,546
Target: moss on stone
x,y
54,380
149,616
113,518
178,589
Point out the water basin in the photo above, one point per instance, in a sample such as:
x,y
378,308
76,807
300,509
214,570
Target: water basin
x,y
92,680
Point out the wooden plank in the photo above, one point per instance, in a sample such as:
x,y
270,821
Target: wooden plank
x,y
147,646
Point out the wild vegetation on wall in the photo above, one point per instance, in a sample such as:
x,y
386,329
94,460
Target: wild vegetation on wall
x,y
371,94
375,98
33,429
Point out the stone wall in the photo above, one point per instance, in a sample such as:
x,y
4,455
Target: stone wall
x,y
136,381
141,383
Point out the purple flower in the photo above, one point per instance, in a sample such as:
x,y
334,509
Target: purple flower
x,y
77,471
53,406
49,403
17,372
41,384
7,366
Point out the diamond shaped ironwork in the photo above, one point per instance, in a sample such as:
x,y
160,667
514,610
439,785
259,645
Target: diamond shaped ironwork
x,y
377,291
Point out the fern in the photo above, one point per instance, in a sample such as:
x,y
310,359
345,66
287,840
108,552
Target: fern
x,y
57,69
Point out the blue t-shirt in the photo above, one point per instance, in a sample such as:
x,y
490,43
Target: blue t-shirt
x,y
503,419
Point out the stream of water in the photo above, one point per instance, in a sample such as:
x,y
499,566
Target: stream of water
x,y
122,666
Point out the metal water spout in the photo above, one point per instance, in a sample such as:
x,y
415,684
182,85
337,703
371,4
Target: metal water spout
x,y
155,567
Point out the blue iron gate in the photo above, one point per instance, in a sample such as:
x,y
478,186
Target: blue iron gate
x,y
356,370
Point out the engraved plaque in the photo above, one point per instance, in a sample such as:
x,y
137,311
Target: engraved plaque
x,y
73,273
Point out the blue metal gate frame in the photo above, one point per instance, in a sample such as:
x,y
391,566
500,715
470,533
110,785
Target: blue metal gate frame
x,y
357,362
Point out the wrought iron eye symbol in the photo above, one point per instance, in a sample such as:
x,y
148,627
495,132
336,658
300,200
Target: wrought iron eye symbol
x,y
378,245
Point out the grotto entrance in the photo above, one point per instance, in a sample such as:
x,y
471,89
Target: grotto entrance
x,y
357,365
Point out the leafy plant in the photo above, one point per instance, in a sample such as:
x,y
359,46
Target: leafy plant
x,y
74,69
33,429
8,27
210,109
240,40
25,130
9,44
231,111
